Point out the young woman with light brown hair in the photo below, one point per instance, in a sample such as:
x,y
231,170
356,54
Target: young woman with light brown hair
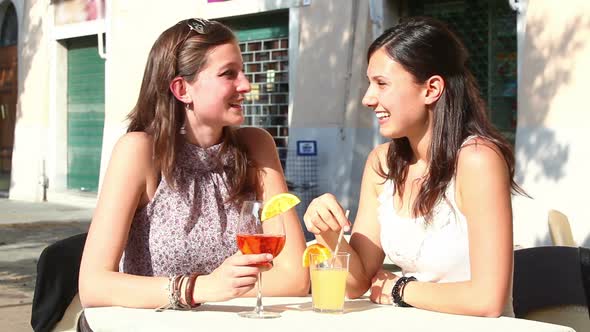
x,y
171,196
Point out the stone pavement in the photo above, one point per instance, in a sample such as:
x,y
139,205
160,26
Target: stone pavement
x,y
25,230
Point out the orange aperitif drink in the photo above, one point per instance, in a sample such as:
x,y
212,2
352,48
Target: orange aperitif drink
x,y
261,231
261,243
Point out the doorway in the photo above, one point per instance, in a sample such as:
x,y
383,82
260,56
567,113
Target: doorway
x,y
8,93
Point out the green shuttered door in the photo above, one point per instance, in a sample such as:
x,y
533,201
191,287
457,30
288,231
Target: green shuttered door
x,y
85,113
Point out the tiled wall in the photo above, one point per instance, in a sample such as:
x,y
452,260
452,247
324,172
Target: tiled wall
x,y
266,64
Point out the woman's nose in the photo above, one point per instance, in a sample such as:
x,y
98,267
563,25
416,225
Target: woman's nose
x,y
369,99
243,83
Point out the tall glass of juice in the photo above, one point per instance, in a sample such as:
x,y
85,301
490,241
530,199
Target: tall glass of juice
x,y
328,282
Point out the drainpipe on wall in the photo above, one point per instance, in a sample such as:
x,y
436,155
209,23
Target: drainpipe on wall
x,y
44,182
100,35
353,23
376,16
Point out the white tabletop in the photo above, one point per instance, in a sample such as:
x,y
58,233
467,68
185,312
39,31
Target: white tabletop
x,y
359,316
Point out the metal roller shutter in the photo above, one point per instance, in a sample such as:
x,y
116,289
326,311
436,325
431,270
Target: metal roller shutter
x,y
85,113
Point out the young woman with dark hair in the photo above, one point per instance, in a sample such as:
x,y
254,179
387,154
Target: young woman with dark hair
x,y
436,199
170,200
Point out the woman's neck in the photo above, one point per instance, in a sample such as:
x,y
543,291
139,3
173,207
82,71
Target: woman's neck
x,y
204,137
420,143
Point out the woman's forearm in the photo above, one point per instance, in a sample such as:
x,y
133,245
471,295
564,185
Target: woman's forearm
x,y
285,280
464,298
119,289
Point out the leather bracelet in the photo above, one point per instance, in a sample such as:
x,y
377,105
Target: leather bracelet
x,y
190,287
397,291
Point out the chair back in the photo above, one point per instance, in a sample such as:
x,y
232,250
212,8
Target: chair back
x,y
549,286
560,230
57,281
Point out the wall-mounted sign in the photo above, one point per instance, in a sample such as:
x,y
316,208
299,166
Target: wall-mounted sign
x,y
307,148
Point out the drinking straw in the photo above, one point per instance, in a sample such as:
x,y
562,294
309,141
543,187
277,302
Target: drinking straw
x,y
340,235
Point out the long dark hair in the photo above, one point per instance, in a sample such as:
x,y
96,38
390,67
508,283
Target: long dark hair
x,y
426,47
181,52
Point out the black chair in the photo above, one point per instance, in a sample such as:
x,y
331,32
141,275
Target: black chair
x,y
552,284
57,281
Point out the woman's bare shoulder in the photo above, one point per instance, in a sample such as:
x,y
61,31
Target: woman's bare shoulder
x,y
135,148
377,159
481,164
253,136
479,152
135,142
258,142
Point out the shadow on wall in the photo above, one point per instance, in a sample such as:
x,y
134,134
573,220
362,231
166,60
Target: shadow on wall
x,y
328,106
548,68
29,45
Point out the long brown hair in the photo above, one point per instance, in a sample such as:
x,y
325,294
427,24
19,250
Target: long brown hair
x,y
181,52
426,47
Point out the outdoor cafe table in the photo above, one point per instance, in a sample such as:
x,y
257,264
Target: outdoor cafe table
x,y
360,315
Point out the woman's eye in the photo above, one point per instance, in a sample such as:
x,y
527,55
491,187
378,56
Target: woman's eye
x,y
229,73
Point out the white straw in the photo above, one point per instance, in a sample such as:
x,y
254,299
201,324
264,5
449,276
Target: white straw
x,y
341,234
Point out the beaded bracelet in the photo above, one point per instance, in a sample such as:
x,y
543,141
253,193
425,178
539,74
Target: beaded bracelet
x,y
397,291
174,294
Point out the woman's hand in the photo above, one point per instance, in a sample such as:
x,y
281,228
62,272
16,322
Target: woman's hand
x,y
233,278
325,214
381,287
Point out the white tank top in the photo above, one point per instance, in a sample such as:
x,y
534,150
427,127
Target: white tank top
x,y
432,252
435,252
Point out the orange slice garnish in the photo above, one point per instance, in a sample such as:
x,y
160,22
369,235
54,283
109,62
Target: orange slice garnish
x,y
324,253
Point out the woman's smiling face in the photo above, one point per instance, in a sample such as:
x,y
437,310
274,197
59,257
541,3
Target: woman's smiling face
x,y
395,97
218,90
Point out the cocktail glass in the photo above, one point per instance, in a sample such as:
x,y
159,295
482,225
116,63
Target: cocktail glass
x,y
256,237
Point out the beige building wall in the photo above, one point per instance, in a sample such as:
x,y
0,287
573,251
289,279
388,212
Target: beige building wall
x,y
553,137
330,83
328,41
132,28
33,97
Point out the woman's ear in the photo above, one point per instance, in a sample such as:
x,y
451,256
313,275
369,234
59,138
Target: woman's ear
x,y
178,88
435,87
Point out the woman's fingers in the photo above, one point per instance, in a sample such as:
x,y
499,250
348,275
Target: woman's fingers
x,y
328,222
310,218
329,202
325,214
250,260
245,282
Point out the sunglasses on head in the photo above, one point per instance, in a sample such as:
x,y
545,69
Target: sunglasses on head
x,y
198,25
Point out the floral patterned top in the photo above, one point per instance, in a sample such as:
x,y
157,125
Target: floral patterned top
x,y
188,229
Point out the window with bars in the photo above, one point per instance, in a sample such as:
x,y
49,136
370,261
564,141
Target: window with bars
x,y
264,43
488,29
266,65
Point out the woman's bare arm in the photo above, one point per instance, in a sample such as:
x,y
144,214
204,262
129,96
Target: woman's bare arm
x,y
483,196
